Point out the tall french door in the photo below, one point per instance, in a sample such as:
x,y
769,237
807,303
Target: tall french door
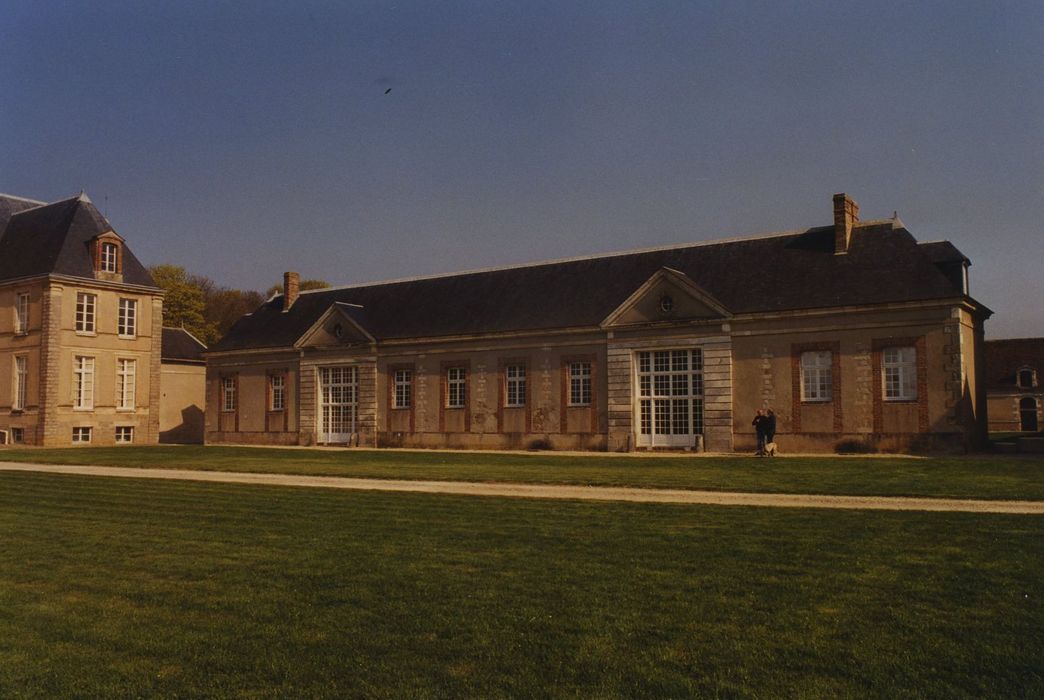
x,y
338,404
670,397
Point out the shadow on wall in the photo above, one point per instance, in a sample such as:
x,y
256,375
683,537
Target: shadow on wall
x,y
189,432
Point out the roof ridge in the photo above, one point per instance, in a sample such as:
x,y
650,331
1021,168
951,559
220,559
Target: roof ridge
x,y
23,199
558,261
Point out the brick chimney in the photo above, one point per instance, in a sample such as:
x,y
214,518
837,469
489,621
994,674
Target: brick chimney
x,y
291,289
846,214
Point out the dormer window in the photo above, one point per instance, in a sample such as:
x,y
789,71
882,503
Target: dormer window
x,y
109,256
107,253
1027,378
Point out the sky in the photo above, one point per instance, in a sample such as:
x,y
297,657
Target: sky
x,y
363,141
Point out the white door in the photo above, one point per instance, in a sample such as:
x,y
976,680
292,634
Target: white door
x,y
670,397
338,404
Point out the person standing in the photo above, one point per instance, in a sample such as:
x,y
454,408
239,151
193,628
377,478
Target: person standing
x,y
760,422
770,431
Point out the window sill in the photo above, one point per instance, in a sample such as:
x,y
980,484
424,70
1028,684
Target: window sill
x,y
83,409
900,400
816,401
401,408
126,337
127,410
88,334
578,405
454,408
515,405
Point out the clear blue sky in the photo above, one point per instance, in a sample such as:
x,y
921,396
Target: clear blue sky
x,y
243,139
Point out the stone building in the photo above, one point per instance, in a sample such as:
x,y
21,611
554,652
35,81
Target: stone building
x,y
1014,389
848,331
182,382
80,322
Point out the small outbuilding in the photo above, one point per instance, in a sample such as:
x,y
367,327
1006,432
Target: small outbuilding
x,y
183,387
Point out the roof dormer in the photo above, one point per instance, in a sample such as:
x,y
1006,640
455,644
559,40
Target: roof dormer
x,y
107,256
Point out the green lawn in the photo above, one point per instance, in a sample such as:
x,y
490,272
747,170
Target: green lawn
x,y
121,588
990,476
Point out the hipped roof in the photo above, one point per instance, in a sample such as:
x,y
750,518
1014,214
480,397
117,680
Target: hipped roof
x,y
54,239
788,271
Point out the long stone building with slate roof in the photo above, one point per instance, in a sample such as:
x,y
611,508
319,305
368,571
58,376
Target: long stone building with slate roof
x,y
853,330
80,321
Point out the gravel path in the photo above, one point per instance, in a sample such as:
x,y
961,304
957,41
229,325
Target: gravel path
x,y
589,493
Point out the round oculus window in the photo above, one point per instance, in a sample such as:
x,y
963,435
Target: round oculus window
x,y
666,304
338,330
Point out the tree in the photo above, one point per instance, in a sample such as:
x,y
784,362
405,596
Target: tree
x,y
184,302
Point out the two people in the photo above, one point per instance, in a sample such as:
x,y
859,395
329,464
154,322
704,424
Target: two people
x,y
765,427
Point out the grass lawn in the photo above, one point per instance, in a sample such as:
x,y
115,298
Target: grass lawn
x,y
120,588
988,476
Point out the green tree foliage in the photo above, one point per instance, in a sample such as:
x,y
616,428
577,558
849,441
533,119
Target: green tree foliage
x,y
205,308
184,303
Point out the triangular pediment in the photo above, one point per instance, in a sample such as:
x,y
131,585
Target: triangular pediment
x,y
336,328
668,295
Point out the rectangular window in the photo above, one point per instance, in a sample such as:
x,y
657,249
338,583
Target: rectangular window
x,y
899,368
17,435
85,304
126,375
228,394
670,396
124,434
83,383
455,387
277,392
21,380
81,435
515,376
817,378
127,322
22,314
579,383
403,388
108,257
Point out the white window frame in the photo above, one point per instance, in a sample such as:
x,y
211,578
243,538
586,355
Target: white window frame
x,y
456,387
83,383
124,434
126,383
403,388
21,313
817,376
515,386
110,255
228,394
899,373
277,392
21,381
580,383
86,307
82,435
127,318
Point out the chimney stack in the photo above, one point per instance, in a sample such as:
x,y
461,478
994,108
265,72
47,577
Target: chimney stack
x,y
291,289
846,214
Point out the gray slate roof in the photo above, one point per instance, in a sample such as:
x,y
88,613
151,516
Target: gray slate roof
x,y
773,273
53,238
181,346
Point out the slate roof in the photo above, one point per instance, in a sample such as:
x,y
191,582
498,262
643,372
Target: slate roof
x,y
796,270
1004,358
53,238
11,205
943,252
181,346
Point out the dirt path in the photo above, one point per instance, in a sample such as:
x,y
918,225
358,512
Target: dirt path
x,y
588,493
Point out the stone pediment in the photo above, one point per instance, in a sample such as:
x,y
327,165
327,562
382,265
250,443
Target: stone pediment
x,y
339,326
668,295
